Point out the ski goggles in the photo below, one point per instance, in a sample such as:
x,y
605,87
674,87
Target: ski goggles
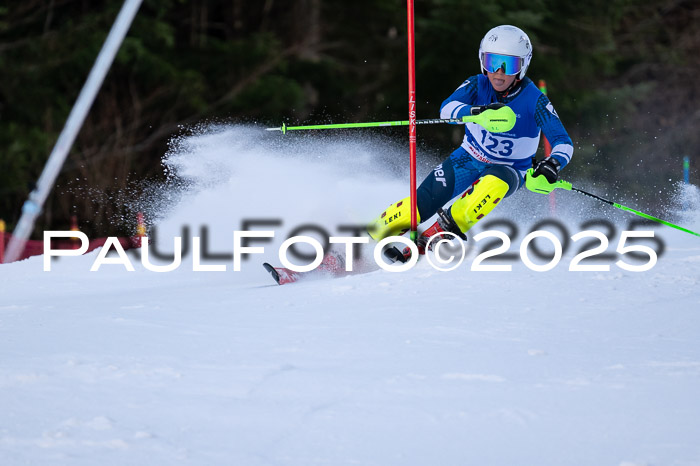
x,y
493,62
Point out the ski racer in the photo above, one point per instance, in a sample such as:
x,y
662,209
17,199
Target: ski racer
x,y
487,167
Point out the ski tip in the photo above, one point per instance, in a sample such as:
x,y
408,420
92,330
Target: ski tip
x,y
273,272
394,254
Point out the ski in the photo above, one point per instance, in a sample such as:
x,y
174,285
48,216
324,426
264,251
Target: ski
x,y
333,265
282,275
394,254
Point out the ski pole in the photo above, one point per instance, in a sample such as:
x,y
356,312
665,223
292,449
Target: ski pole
x,y
495,121
539,184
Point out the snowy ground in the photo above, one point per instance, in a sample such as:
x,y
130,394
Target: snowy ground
x,y
421,367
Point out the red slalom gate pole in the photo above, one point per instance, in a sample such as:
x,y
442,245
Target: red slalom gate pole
x,y
547,152
412,115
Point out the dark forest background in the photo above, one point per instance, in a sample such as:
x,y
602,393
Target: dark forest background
x,y
622,74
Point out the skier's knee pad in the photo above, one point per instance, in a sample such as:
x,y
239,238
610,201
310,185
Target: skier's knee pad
x,y
478,201
507,174
394,221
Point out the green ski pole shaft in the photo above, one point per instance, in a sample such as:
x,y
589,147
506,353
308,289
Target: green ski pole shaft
x,y
496,121
373,124
636,212
539,184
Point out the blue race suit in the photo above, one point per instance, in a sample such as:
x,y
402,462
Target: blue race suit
x,y
505,155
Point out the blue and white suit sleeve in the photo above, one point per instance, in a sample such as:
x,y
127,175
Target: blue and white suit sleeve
x,y
548,120
459,104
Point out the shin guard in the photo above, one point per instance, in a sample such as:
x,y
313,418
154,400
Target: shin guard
x,y
394,221
478,201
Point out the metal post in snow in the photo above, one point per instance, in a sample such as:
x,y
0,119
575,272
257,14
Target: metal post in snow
x,y
33,206
412,115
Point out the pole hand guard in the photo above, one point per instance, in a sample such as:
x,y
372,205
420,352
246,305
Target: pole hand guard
x,y
499,120
539,184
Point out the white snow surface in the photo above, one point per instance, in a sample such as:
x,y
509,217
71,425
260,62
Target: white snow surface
x,y
413,368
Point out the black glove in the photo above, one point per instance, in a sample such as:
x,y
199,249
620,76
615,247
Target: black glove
x,y
549,168
476,109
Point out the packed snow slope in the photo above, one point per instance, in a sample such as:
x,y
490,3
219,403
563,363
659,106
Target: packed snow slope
x,y
414,368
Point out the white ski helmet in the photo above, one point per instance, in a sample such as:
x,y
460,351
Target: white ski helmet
x,y
506,47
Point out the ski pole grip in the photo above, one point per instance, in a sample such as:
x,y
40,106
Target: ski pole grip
x,y
539,184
